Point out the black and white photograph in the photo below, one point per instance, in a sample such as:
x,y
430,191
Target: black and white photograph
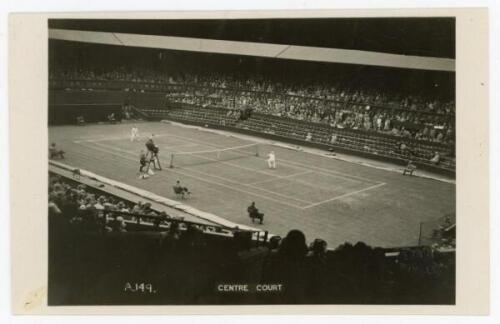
x,y
251,161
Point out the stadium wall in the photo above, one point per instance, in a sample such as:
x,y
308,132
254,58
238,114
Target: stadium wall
x,y
60,114
95,106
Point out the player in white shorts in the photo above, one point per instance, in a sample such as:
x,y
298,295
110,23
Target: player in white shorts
x,y
271,160
134,133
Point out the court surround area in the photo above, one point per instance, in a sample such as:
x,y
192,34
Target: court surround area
x,y
326,198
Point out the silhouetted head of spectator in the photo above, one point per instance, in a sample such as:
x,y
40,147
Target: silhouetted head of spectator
x,y
146,207
361,246
174,226
193,230
361,249
274,242
318,247
293,245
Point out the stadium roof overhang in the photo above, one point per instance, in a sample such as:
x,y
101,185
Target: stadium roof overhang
x,y
290,52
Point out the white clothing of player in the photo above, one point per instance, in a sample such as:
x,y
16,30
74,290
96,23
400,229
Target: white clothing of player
x,y
271,160
134,134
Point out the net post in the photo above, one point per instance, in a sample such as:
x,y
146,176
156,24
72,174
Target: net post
x,y
257,150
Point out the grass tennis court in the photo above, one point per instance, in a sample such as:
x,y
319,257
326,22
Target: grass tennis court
x,y
324,197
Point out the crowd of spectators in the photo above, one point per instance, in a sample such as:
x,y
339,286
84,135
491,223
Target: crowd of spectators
x,y
357,274
408,115
85,208
80,205
308,273
338,114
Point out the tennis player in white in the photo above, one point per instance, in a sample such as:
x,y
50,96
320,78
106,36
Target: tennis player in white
x,y
271,160
134,133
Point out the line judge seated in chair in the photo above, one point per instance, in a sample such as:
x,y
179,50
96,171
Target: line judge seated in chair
x,y
181,191
410,168
253,213
80,120
111,118
54,152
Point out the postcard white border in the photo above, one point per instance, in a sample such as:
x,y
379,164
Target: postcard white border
x,y
28,132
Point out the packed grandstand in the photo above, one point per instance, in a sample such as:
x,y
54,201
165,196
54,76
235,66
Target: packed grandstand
x,y
397,116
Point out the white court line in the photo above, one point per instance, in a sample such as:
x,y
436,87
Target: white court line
x,y
99,139
115,138
291,163
172,148
95,147
344,195
330,173
114,148
305,183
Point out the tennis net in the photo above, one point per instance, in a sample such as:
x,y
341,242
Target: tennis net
x,y
179,159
